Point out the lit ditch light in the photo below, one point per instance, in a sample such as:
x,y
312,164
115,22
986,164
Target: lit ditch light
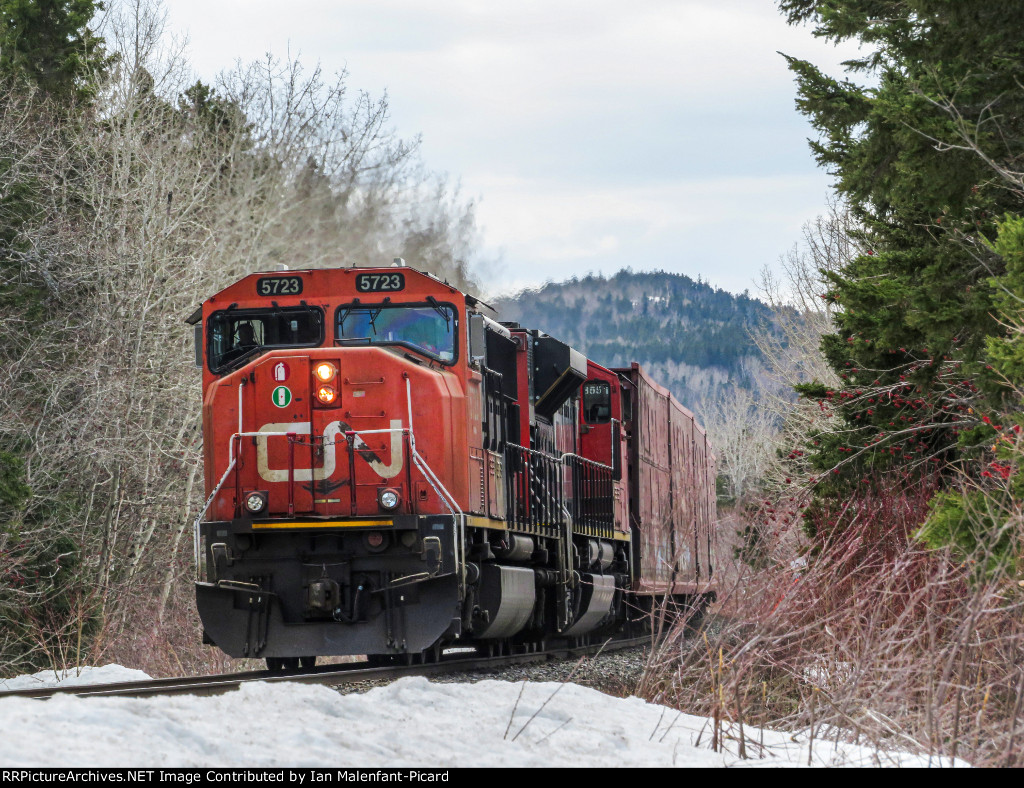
x,y
256,502
326,394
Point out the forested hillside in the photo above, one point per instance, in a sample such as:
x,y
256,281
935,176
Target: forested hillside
x,y
694,338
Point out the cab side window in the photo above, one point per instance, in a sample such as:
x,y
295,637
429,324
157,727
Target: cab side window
x,y
237,336
597,402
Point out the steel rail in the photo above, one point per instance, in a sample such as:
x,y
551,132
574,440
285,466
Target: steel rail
x,y
348,673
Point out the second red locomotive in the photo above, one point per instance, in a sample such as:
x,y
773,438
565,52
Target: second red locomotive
x,y
390,471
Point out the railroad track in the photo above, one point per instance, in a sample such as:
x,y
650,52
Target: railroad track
x,y
326,674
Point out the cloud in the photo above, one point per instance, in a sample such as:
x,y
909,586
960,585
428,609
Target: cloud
x,y
597,133
723,229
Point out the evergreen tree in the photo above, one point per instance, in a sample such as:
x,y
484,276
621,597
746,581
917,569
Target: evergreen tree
x,y
48,43
977,519
913,148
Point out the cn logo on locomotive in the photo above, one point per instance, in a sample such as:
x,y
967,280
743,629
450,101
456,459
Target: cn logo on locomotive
x,y
333,435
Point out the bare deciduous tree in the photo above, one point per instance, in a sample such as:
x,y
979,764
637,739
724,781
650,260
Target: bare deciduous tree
x,y
163,192
743,434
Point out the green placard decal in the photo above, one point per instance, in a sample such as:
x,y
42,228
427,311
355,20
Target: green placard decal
x,y
282,396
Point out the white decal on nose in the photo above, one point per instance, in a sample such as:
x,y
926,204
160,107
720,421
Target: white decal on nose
x,y
333,435
395,466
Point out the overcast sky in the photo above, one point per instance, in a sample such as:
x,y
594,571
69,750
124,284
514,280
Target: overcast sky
x,y
655,134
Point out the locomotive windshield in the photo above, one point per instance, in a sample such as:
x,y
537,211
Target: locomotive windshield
x,y
236,337
429,328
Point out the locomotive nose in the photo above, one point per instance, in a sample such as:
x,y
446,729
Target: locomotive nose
x,y
327,433
281,408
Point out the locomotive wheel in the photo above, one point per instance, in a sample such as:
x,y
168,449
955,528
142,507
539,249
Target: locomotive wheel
x,y
307,663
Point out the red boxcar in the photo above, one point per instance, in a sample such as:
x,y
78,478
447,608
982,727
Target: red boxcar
x,y
672,491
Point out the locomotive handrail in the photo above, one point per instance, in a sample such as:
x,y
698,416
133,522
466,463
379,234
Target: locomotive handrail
x,y
568,573
255,435
538,452
592,492
232,461
199,517
435,483
458,516
540,494
216,489
585,460
534,496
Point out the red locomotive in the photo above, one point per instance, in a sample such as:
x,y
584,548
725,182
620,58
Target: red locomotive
x,y
390,471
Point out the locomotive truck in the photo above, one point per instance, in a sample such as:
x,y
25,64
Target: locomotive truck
x,y
390,471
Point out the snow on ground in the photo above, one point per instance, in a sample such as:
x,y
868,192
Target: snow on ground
x,y
108,674
410,723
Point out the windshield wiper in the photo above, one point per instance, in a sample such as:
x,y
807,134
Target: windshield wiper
x,y
240,359
341,320
441,311
375,315
373,319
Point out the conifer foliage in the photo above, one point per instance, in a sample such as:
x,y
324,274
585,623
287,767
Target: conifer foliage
x,y
924,136
48,44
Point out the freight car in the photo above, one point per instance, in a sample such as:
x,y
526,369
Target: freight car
x,y
390,471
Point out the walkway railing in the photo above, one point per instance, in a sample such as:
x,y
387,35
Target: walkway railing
x,y
590,496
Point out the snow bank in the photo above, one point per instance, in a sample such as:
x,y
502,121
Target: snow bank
x,y
108,674
409,723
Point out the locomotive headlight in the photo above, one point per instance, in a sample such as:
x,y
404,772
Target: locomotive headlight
x,y
255,502
325,372
389,498
326,394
